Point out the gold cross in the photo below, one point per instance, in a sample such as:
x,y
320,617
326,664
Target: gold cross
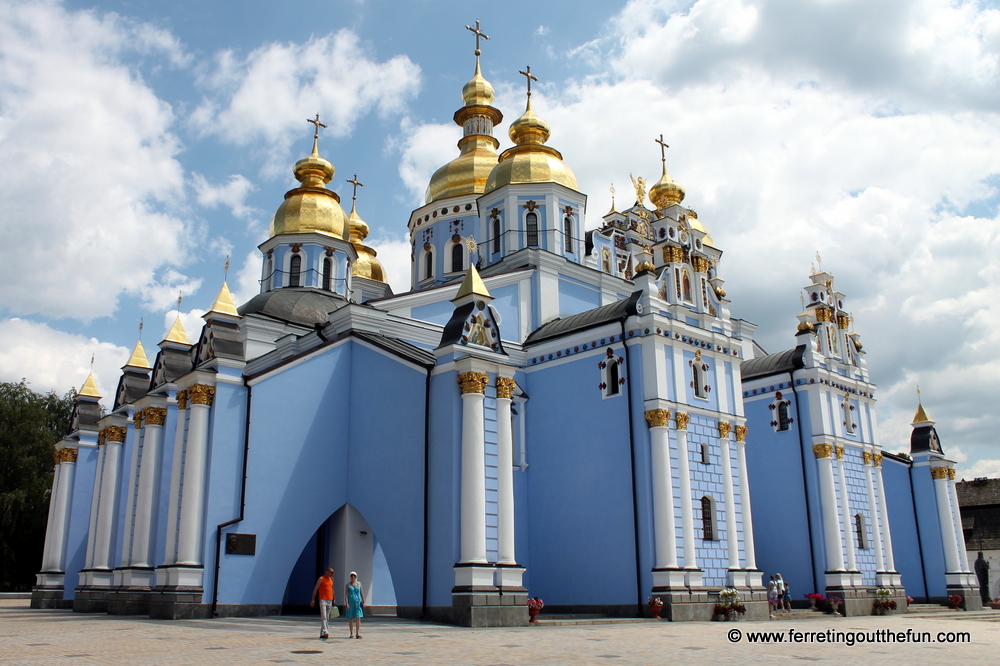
x,y
356,185
225,270
140,328
663,146
317,123
478,33
528,75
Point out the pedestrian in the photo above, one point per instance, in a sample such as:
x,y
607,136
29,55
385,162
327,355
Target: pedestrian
x,y
324,588
772,596
355,605
786,593
780,589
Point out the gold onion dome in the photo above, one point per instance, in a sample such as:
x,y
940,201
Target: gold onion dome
x,y
695,223
530,160
366,265
311,207
467,173
666,191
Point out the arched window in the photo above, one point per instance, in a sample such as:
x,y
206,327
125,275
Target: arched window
x,y
327,272
613,378
859,530
568,234
428,264
294,271
457,258
268,272
705,456
708,518
783,420
531,224
496,235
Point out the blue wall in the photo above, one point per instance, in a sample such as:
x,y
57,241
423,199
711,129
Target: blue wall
x,y
79,518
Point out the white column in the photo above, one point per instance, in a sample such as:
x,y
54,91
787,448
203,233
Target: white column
x,y
664,522
875,512
687,510
846,517
60,517
473,493
170,529
114,441
732,540
95,500
828,496
505,473
890,564
190,540
130,482
947,518
149,473
957,517
741,461
47,564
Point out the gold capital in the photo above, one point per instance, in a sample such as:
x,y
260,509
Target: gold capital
x,y
182,399
741,433
878,459
137,419
822,450
154,416
939,472
201,394
505,387
681,419
951,473
840,452
68,455
658,418
724,428
868,457
473,382
102,436
116,433
57,457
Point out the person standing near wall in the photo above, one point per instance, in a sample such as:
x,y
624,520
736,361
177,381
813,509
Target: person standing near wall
x,y
355,594
324,588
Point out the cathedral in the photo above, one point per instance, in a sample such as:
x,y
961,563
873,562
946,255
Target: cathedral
x,y
549,411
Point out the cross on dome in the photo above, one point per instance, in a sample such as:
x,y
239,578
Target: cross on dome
x,y
478,33
317,124
663,147
356,185
528,75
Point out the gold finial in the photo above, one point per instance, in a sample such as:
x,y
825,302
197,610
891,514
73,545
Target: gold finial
x,y
356,185
530,77
478,33
819,260
802,300
138,358
140,328
92,363
225,272
472,284
613,209
317,125
663,153
224,303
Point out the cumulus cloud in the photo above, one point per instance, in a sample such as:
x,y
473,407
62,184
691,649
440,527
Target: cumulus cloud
x,y
424,149
53,360
258,99
88,175
232,194
394,253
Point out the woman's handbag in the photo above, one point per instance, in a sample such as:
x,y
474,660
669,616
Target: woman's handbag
x,y
334,612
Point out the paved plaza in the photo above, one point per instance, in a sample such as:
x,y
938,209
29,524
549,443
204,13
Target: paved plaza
x,y
62,637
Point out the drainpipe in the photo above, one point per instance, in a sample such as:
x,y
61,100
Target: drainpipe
x,y
427,457
635,504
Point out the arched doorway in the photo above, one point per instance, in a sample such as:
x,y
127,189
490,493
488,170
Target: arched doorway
x,y
346,542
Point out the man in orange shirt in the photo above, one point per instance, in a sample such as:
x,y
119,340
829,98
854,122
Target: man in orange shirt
x,y
324,587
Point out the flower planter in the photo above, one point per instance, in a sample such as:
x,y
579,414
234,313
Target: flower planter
x,y
533,614
655,610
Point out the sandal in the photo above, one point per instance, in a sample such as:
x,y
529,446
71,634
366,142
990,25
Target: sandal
x,y
358,636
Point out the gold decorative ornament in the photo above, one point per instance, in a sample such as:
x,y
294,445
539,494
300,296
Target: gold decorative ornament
x,y
68,455
700,264
473,382
824,314
741,433
867,456
182,399
102,436
843,321
724,429
878,459
155,416
682,419
137,419
640,189
822,450
840,452
666,191
673,254
658,418
201,394
116,433
939,472
951,473
505,387
56,457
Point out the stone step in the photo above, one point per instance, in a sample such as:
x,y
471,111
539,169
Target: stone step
x,y
568,620
799,614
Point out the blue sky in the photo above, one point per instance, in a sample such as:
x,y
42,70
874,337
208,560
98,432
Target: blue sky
x,y
143,142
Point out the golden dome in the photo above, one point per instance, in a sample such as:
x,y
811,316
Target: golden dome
x,y
366,265
530,161
478,90
312,207
694,223
666,191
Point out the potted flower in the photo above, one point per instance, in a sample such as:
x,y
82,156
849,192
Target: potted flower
x,y
909,600
729,606
815,598
655,606
883,605
833,605
535,605
955,600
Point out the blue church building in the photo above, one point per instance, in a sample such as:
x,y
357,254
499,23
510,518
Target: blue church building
x,y
548,411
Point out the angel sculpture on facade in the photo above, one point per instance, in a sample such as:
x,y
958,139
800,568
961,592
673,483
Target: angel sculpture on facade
x,y
640,189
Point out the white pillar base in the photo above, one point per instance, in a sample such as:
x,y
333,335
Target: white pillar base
x,y
97,578
136,576
175,576
754,578
888,579
669,579
838,579
693,577
473,578
509,578
50,579
748,578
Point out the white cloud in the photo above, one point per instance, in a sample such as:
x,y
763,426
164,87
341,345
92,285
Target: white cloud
x,y
232,194
54,360
394,253
259,99
425,148
191,321
247,282
88,174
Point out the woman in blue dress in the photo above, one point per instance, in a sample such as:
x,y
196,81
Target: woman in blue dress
x,y
355,595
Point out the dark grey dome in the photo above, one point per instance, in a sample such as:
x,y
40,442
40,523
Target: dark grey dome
x,y
298,305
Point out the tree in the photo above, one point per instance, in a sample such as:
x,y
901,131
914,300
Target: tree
x,y
30,424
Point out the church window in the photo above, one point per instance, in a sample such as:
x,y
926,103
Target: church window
x,y
496,235
860,531
686,285
268,272
677,281
699,377
611,371
705,457
457,258
783,420
568,234
708,519
428,264
531,225
612,378
295,271
848,409
327,273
